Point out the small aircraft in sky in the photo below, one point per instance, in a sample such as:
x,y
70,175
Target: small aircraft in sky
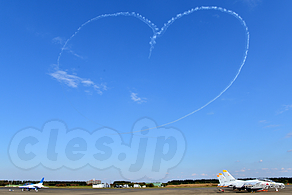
x,y
29,186
227,180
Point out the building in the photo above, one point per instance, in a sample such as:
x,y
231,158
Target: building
x,y
101,185
157,184
93,181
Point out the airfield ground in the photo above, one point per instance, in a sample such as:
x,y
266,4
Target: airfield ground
x,y
159,191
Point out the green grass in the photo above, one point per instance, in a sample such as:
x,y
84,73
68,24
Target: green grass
x,y
13,186
78,187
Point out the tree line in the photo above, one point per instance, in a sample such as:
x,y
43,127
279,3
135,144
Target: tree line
x,y
284,180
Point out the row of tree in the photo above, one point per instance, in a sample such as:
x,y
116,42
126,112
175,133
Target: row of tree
x,y
190,181
131,184
284,180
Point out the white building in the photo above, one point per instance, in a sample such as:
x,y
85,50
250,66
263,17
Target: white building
x,y
101,185
137,186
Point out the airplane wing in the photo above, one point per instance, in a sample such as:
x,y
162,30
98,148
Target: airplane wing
x,y
27,187
256,185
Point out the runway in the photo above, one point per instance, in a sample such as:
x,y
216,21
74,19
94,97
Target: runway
x,y
159,191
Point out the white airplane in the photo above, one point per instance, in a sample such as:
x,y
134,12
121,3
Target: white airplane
x,y
273,184
29,186
227,180
222,181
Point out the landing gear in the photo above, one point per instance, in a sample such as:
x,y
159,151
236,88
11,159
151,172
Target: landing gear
x,y
250,190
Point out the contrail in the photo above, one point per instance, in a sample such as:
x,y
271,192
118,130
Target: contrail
x,y
172,20
157,33
132,14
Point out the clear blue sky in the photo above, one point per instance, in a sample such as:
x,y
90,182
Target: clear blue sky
x,y
65,97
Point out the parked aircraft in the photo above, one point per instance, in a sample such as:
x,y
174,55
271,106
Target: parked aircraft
x,y
227,180
222,181
29,186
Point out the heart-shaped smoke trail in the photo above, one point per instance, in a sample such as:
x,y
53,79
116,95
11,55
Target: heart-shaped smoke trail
x,y
159,32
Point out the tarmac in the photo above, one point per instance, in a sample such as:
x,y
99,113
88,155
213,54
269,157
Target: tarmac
x,y
159,191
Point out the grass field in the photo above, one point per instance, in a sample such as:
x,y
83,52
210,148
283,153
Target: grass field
x,y
192,185
71,187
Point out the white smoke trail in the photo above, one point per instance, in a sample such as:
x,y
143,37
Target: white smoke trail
x,y
157,33
133,14
172,20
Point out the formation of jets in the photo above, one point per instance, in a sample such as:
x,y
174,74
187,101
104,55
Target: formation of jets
x,y
29,186
227,180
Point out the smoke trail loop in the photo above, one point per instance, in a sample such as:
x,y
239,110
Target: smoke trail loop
x,y
159,32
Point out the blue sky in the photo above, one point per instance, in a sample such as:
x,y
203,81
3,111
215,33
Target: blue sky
x,y
97,79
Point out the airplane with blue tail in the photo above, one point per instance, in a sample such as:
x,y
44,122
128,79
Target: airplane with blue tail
x,y
30,186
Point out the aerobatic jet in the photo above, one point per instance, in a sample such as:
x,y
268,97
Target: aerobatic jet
x,y
29,186
227,180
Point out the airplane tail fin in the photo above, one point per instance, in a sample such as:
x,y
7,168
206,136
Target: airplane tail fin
x,y
228,176
222,180
218,176
42,181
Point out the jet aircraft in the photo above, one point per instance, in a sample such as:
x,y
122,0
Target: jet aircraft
x,y
227,180
29,186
